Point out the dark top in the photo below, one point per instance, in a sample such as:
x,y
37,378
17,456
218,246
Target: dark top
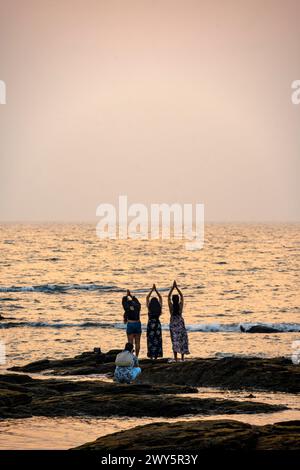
x,y
176,312
153,315
132,309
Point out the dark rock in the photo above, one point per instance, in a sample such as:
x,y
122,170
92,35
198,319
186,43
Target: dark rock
x,y
85,363
52,397
276,374
36,366
259,329
201,435
15,378
12,398
148,405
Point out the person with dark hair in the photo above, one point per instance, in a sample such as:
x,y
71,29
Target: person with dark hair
x,y
132,309
154,335
178,331
127,365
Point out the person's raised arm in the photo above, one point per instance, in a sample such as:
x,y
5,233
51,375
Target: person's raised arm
x,y
158,295
136,300
124,301
170,294
148,297
180,294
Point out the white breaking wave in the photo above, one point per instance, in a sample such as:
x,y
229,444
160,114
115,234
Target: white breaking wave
x,y
58,288
205,327
49,288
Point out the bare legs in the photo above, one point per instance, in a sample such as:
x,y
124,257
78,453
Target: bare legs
x,y
176,356
136,340
130,338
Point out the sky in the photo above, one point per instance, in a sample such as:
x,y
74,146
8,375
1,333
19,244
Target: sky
x,y
164,101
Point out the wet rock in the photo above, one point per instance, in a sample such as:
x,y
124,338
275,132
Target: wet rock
x,y
13,398
15,379
148,405
201,435
276,374
85,363
36,366
51,397
259,329
280,436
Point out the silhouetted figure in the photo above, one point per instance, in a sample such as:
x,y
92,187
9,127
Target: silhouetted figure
x,y
132,309
154,333
178,331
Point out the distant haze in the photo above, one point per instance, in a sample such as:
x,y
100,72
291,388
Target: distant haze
x,y
163,101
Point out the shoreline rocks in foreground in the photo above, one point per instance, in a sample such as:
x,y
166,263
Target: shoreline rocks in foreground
x,y
22,396
201,435
272,374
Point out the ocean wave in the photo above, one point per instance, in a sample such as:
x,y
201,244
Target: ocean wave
x,y
204,328
60,288
238,327
41,324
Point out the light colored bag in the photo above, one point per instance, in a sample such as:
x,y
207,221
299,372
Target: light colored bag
x,y
124,359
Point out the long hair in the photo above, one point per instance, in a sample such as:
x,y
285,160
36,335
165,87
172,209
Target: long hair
x,y
154,306
176,307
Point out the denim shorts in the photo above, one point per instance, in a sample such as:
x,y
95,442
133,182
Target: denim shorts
x,y
134,328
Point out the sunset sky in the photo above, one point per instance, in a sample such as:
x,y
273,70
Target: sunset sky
x,y
163,101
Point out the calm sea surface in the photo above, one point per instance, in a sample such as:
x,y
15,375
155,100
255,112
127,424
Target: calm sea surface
x,y
61,289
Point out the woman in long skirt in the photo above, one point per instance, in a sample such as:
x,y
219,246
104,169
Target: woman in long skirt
x,y
179,337
154,335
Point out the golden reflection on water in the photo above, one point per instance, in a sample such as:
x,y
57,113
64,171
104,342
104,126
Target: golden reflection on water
x,y
244,274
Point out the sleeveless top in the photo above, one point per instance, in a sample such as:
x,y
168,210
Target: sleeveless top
x,y
180,310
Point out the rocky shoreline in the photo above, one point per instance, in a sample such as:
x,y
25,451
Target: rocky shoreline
x,y
226,435
164,390
22,397
272,374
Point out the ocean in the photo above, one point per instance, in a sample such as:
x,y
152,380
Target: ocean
x,y
61,290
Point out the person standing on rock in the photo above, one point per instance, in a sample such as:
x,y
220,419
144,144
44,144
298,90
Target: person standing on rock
x,y
178,331
127,365
154,335
132,310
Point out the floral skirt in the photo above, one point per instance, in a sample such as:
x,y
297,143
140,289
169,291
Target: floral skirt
x,y
154,338
179,337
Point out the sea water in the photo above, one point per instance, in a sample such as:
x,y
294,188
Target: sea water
x,y
61,290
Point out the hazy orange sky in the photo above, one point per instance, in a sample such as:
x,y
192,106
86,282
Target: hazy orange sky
x,y
165,101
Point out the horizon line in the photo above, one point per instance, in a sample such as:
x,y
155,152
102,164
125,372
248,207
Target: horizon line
x,y
90,222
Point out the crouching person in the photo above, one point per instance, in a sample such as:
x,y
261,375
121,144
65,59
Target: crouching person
x,y
127,366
